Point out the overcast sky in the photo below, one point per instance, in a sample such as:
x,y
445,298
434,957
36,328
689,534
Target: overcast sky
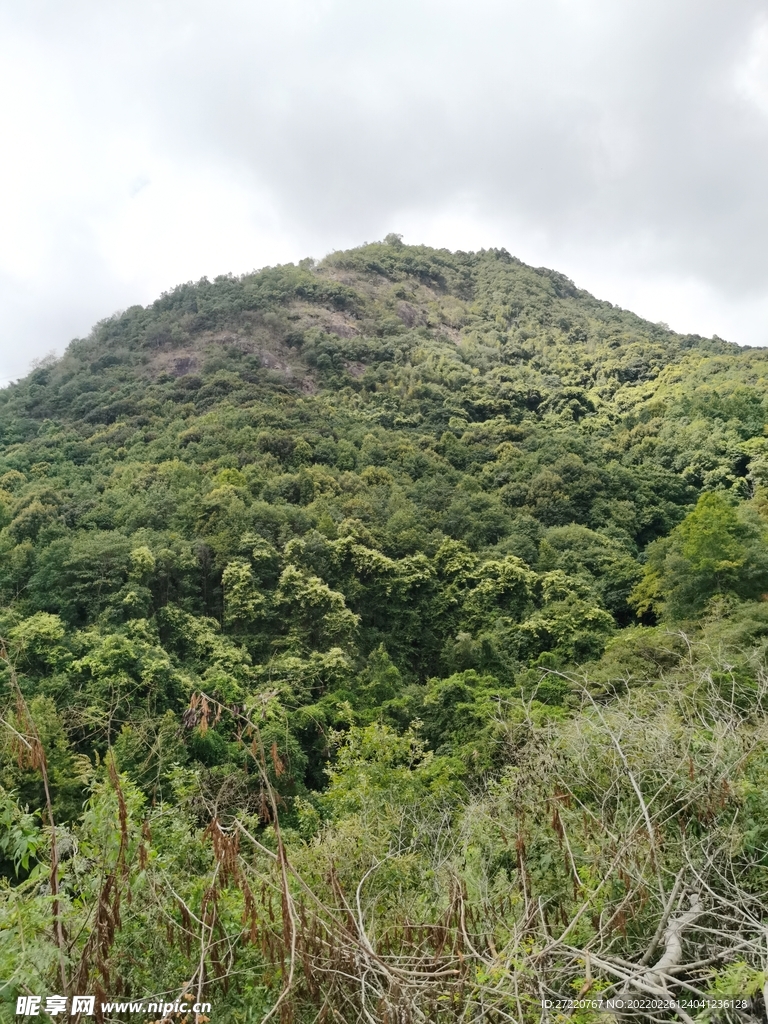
x,y
149,142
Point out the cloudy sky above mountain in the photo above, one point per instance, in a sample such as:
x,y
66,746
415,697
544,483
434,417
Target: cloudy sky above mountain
x,y
149,142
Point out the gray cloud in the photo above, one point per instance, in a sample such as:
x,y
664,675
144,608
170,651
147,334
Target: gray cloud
x,y
625,144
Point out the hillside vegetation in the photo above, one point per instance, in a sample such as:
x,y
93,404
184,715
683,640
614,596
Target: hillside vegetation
x,y
384,640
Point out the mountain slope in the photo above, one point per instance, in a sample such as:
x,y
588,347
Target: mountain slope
x,y
347,545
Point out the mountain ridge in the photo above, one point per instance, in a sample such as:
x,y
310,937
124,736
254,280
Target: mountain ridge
x,y
326,290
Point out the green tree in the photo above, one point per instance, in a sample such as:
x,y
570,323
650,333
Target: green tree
x,y
716,550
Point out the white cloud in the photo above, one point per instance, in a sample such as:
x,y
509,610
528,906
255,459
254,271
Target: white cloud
x,y
149,143
751,74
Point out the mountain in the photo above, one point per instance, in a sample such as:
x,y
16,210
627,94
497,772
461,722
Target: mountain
x,y
387,627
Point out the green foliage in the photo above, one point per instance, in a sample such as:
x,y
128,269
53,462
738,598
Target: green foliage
x,y
348,556
717,550
20,834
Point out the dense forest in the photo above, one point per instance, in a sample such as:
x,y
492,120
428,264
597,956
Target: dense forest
x,y
384,640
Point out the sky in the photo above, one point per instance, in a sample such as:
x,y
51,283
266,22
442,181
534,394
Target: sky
x,y
144,143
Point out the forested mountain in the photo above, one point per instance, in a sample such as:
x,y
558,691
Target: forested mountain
x,y
384,640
